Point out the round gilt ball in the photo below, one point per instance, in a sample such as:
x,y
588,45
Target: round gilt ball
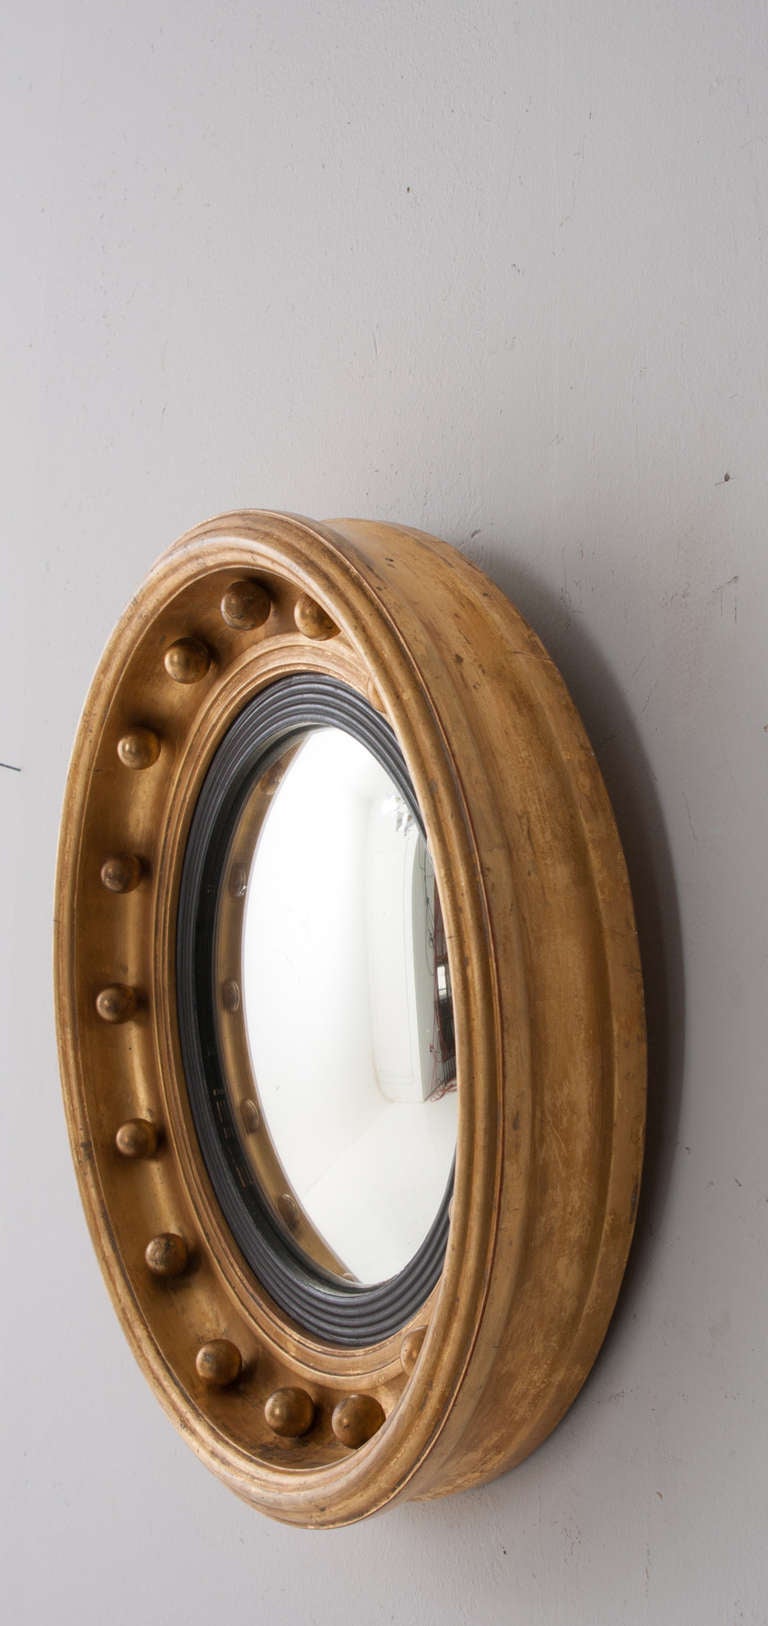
x,y
356,1419
137,1138
245,606
290,1412
117,1003
167,1254
121,873
139,748
187,661
312,620
218,1363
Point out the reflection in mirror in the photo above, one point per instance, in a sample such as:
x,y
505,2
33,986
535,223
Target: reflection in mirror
x,y
343,1082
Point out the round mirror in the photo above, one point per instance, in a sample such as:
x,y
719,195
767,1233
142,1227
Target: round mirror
x,y
297,989
344,985
320,1051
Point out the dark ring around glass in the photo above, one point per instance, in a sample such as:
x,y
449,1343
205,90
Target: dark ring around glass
x,y
341,1312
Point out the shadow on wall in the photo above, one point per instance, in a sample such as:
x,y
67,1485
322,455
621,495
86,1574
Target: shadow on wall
x,y
632,789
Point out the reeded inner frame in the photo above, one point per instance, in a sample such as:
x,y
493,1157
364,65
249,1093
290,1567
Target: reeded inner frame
x,y
340,1312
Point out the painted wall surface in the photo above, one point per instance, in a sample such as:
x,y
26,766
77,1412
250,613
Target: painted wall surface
x,y
497,270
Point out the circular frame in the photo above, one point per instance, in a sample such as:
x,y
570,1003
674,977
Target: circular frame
x,y
547,995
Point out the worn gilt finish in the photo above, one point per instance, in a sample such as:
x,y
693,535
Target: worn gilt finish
x,y
547,997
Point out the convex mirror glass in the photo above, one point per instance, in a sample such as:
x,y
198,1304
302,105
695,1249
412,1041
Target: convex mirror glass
x,y
330,949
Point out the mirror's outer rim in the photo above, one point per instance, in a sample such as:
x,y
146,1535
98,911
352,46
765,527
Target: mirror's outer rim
x,y
452,662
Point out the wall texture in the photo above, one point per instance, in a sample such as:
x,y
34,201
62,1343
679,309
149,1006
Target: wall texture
x,y
498,270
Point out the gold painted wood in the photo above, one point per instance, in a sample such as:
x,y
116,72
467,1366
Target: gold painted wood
x,y
547,998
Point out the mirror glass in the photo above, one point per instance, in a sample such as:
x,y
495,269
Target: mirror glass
x,y
336,1018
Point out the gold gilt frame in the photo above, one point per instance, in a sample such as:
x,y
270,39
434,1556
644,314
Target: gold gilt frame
x,y
547,994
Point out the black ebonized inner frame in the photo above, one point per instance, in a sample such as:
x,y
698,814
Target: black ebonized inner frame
x,y
325,1305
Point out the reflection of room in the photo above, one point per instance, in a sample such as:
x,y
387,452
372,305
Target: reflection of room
x,y
339,983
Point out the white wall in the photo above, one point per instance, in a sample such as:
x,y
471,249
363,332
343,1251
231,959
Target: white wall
x,y
497,270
